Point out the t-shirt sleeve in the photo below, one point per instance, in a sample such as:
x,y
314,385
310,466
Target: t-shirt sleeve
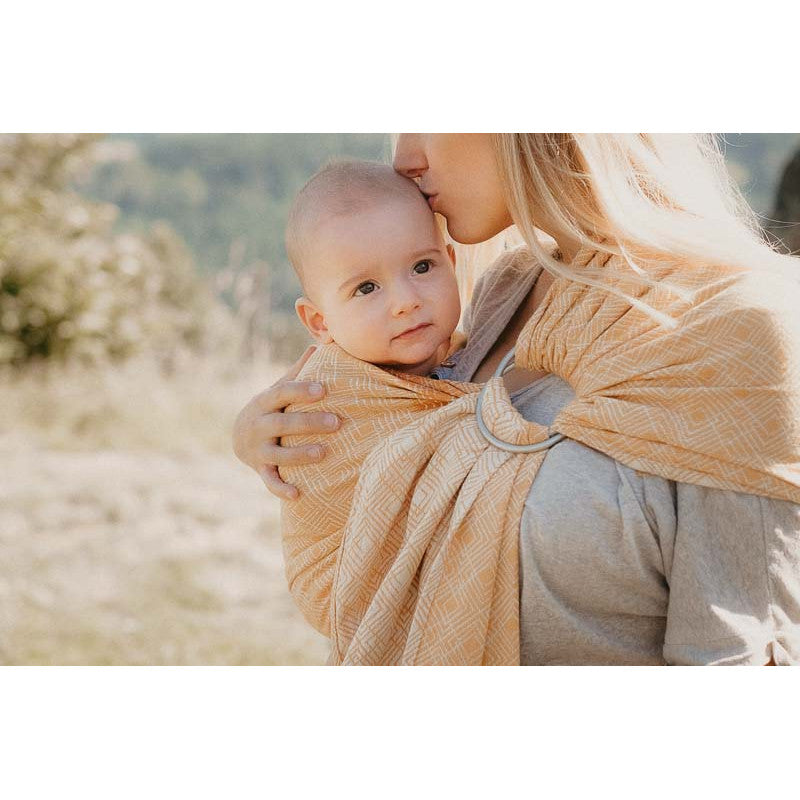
x,y
469,311
487,283
733,569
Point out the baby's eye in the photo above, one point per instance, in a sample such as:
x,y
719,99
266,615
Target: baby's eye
x,y
367,286
426,266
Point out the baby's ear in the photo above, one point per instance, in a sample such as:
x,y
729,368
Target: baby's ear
x,y
451,251
313,319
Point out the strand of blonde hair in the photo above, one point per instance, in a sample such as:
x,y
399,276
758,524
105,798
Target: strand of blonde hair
x,y
642,197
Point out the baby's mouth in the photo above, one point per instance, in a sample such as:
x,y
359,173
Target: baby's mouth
x,y
412,331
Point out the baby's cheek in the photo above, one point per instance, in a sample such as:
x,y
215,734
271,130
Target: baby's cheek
x,y
367,342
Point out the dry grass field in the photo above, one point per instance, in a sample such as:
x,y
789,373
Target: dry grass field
x,y
129,532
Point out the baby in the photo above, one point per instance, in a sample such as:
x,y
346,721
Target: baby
x,y
380,297
377,276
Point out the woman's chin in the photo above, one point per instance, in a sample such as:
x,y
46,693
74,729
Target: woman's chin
x,y
470,234
462,239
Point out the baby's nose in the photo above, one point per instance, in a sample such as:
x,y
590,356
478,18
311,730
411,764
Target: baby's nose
x,y
406,301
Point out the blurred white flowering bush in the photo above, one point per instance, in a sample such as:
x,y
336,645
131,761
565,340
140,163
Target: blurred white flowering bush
x,y
73,289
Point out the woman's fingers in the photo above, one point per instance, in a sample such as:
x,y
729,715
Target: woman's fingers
x,y
284,393
262,422
285,423
274,455
261,418
272,480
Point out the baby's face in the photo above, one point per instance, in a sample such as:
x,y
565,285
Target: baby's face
x,y
383,283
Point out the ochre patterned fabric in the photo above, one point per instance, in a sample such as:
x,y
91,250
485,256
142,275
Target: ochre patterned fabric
x,y
402,546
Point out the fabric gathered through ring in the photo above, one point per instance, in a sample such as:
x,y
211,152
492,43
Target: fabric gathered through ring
x,y
506,365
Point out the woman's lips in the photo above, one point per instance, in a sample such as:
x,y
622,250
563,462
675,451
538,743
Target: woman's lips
x,y
412,331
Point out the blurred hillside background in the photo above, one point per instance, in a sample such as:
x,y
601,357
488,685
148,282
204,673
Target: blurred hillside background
x,y
145,296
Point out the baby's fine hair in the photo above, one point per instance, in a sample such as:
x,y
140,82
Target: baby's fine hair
x,y
341,188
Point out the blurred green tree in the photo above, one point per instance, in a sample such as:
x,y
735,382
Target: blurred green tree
x,y
69,286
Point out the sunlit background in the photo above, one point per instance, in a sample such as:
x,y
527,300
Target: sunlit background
x,y
144,298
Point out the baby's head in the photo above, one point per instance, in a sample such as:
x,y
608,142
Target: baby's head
x,y
377,276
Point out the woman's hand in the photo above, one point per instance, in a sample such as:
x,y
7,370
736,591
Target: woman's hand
x,y
262,422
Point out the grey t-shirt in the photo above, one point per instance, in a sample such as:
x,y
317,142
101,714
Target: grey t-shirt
x,y
621,567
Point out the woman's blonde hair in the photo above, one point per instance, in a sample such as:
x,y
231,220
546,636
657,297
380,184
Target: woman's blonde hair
x,y
640,196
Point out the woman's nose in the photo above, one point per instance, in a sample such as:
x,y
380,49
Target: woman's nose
x,y
409,156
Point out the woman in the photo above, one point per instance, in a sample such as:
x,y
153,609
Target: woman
x,y
616,566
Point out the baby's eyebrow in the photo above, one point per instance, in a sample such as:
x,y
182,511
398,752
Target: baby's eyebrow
x,y
428,251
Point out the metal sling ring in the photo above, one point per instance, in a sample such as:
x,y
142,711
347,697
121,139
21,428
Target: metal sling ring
x,y
505,365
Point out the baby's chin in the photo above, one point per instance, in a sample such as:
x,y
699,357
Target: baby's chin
x,y
416,360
